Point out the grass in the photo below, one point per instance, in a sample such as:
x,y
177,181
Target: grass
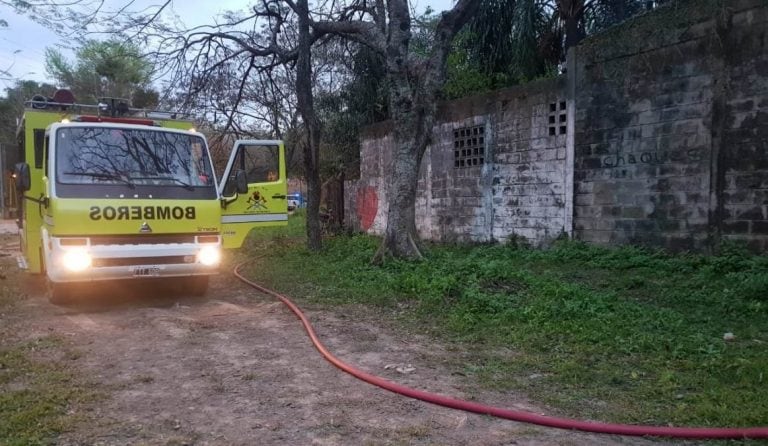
x,y
623,335
37,386
35,395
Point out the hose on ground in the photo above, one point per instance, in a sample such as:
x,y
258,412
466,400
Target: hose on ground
x,y
508,414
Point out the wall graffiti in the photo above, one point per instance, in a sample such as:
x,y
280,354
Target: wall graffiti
x,y
367,206
619,159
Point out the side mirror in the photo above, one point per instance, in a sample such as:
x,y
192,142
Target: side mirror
x,y
241,182
23,180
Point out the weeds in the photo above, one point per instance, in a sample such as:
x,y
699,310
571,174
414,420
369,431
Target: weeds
x,y
625,335
36,392
35,396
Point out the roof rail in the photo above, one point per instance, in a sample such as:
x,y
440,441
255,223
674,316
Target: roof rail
x,y
105,109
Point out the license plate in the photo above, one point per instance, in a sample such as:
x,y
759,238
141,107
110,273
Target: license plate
x,y
146,271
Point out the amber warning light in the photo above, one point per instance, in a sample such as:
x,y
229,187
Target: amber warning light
x,y
118,120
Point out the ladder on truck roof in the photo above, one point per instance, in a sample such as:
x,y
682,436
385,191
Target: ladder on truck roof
x,y
64,100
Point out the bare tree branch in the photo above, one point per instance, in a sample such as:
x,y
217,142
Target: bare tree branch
x,y
154,17
366,33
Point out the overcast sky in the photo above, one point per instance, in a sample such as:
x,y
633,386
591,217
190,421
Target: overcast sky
x,y
23,42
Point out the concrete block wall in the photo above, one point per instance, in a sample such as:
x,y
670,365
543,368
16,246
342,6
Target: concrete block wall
x,y
660,142
643,139
529,172
366,198
743,186
458,209
519,189
657,135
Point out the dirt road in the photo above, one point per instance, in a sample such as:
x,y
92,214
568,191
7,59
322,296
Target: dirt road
x,y
235,368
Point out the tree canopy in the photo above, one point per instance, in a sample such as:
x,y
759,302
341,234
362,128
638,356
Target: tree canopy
x,y
513,41
108,68
11,108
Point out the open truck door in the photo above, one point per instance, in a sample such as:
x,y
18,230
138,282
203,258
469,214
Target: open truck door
x,y
253,189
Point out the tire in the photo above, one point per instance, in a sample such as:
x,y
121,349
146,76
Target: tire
x,y
62,294
197,285
58,293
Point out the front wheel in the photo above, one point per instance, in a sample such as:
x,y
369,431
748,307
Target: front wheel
x,y
197,285
61,293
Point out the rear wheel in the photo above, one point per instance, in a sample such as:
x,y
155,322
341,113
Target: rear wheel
x,y
197,285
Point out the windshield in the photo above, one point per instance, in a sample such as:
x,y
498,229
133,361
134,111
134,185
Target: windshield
x,y
137,159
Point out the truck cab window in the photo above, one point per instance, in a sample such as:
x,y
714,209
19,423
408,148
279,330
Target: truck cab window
x,y
261,164
39,140
107,161
46,161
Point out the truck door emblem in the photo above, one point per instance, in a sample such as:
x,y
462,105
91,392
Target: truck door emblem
x,y
145,228
256,201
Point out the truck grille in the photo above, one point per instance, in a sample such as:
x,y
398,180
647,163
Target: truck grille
x,y
130,261
149,239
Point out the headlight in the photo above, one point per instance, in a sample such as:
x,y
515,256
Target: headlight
x,y
209,255
76,260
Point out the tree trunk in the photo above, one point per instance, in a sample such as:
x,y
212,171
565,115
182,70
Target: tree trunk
x,y
572,14
333,196
414,89
312,134
400,236
413,118
574,32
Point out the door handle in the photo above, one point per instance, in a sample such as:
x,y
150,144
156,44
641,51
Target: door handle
x,y
280,197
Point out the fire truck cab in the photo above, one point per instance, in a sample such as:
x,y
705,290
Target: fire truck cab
x,y
109,192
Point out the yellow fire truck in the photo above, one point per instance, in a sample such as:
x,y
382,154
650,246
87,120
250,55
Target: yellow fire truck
x,y
108,192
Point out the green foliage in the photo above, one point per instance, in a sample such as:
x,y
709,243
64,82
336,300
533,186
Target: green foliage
x,y
626,335
103,69
145,97
266,238
606,14
11,109
35,396
364,100
35,393
510,42
464,77
423,33
487,36
340,140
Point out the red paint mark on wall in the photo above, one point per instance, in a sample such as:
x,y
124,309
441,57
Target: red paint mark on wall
x,y
367,206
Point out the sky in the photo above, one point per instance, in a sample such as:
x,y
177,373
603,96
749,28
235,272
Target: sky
x,y
23,42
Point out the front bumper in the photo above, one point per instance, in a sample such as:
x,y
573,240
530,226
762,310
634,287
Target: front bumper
x,y
127,261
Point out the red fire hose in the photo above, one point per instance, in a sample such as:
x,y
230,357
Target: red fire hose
x,y
514,415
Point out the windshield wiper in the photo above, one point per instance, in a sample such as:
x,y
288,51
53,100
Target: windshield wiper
x,y
105,176
185,185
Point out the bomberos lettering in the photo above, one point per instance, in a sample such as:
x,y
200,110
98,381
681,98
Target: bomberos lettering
x,y
142,213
